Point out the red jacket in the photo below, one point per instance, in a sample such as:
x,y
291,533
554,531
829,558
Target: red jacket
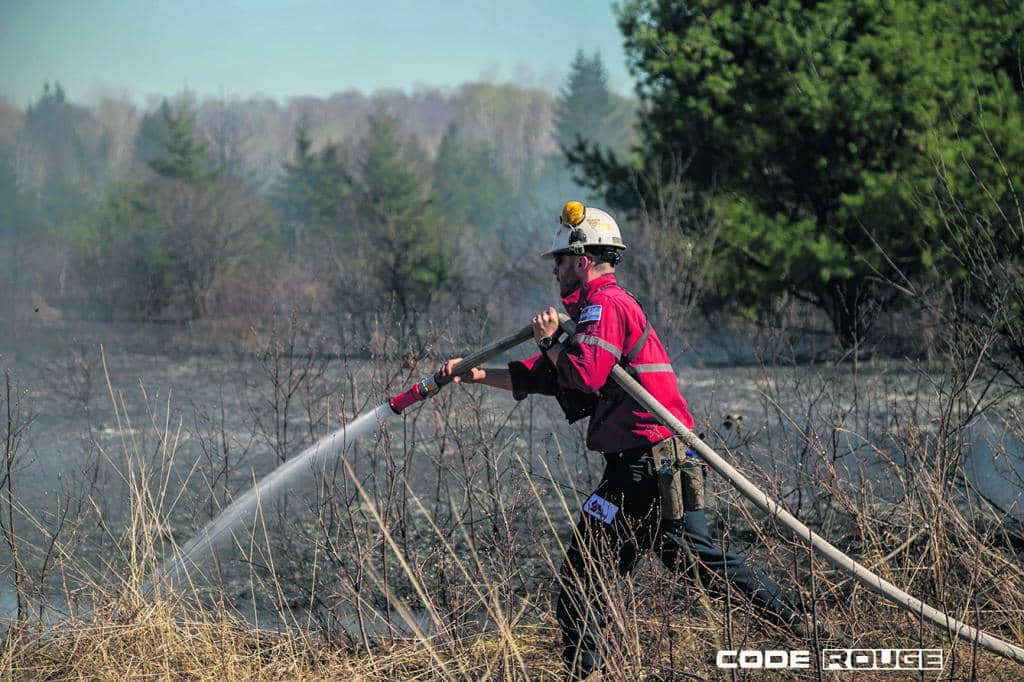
x,y
609,324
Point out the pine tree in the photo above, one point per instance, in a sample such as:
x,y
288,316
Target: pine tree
x,y
184,154
314,193
52,130
408,251
16,212
585,104
468,183
151,138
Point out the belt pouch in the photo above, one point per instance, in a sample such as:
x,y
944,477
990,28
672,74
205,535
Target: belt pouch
x,y
670,487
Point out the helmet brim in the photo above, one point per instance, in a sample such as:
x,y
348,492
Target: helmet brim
x,y
557,252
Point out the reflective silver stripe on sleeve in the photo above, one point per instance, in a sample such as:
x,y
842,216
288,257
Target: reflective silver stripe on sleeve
x,y
652,367
601,343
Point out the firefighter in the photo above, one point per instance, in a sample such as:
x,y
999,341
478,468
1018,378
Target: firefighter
x,y
628,513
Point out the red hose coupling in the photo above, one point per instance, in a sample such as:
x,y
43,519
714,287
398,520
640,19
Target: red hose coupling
x,y
421,390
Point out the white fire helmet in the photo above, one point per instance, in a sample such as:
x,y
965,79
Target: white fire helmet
x,y
580,227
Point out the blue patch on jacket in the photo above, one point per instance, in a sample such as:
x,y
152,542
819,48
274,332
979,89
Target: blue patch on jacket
x,y
592,313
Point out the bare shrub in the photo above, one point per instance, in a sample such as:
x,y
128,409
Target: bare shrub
x,y
293,362
17,420
672,251
210,230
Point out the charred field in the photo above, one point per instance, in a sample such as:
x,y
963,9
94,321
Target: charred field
x,y
431,547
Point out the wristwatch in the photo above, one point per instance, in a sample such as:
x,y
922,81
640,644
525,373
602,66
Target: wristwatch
x,y
546,343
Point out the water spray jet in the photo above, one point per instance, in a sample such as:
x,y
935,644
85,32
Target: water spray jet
x,y
245,509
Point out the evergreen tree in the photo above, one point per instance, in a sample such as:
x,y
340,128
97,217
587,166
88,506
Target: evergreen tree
x,y
815,129
468,183
408,252
16,214
586,113
161,246
123,255
313,195
585,104
184,154
151,138
52,130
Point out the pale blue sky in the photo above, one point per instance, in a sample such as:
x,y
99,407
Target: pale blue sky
x,y
285,49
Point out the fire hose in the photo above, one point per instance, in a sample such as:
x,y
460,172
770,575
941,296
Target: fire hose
x,y
428,386
431,385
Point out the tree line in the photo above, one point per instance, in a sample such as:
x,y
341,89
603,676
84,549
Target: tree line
x,y
861,160
194,215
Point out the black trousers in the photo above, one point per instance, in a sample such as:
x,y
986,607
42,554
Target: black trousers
x,y
620,522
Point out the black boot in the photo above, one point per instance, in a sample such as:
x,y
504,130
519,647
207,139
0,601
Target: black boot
x,y
580,663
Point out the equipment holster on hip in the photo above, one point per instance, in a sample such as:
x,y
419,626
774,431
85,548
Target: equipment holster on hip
x,y
680,479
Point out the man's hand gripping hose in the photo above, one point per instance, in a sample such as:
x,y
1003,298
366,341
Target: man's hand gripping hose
x,y
431,384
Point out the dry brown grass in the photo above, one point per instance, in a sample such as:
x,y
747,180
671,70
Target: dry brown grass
x,y
451,577
160,641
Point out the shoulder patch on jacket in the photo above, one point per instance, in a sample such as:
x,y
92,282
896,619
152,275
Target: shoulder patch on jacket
x,y
592,313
